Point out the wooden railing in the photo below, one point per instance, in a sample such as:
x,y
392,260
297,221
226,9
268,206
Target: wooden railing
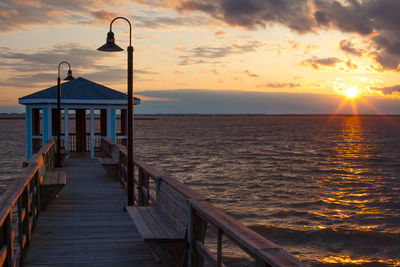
x,y
200,214
23,196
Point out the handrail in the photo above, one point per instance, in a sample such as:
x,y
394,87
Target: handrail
x,y
200,213
25,193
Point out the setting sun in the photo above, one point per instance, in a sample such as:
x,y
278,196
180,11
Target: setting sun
x,y
351,92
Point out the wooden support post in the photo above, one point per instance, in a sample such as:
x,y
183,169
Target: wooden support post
x,y
66,129
25,222
20,232
10,240
92,133
146,185
53,122
37,195
219,248
124,125
28,121
141,183
196,232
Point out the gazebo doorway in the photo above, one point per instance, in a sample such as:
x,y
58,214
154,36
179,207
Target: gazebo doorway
x,y
80,127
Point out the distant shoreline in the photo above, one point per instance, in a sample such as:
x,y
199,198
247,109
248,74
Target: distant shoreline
x,y
21,116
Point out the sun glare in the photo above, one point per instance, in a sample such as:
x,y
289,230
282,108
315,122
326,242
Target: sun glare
x,y
351,92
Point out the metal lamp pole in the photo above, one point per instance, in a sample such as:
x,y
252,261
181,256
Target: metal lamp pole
x,y
110,46
68,78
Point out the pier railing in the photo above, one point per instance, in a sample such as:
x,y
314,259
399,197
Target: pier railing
x,y
200,214
20,207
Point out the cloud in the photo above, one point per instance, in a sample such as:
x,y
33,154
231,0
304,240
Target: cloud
x,y
153,21
391,90
316,63
349,48
201,54
250,74
376,20
104,16
389,55
219,34
369,18
279,85
350,65
252,13
40,67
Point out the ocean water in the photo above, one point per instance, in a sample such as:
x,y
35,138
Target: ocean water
x,y
325,188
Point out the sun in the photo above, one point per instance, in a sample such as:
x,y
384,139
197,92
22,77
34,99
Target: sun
x,y
351,92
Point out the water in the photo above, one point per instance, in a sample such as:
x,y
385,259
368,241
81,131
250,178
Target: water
x,y
327,189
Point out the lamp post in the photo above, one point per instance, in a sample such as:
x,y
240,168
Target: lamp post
x,y
110,46
68,78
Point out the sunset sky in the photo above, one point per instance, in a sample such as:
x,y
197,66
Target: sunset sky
x,y
220,56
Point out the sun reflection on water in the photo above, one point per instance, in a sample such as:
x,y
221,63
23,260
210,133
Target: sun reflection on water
x,y
349,193
346,259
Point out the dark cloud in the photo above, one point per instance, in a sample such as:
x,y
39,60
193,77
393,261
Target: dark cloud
x,y
369,18
78,55
389,55
41,67
251,13
378,20
316,63
349,48
388,90
157,22
15,15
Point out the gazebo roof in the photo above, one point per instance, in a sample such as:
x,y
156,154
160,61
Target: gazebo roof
x,y
78,91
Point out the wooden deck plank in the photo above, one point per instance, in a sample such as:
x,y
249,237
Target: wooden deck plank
x,y
86,225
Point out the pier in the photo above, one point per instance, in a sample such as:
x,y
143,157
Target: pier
x,y
88,222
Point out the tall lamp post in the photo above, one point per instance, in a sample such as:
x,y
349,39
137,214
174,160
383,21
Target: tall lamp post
x,y
110,46
68,78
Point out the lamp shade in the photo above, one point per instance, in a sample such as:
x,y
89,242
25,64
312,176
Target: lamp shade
x,y
110,45
69,77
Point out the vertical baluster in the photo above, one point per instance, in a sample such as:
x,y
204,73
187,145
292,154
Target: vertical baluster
x,y
20,231
10,239
37,195
219,248
141,183
25,222
190,240
146,185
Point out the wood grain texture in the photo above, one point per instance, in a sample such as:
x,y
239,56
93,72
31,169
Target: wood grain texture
x,y
86,225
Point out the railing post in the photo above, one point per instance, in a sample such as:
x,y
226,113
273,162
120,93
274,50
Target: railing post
x,y
190,239
196,231
146,185
10,240
20,232
140,185
219,247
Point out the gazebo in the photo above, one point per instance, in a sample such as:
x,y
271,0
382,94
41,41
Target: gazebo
x,y
81,101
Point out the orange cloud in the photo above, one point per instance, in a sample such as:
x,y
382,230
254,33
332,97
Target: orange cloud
x,y
55,14
8,14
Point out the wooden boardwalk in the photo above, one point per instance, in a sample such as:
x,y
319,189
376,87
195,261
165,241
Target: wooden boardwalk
x,y
86,225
